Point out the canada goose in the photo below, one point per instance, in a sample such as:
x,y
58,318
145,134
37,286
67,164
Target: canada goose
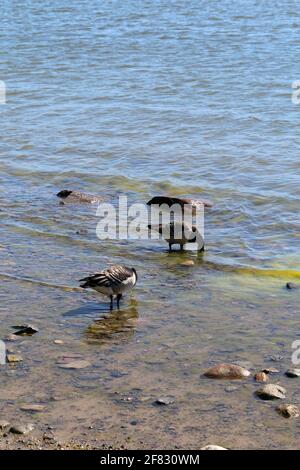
x,y
179,233
113,281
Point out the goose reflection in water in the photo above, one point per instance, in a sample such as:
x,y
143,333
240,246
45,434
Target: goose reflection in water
x,y
115,326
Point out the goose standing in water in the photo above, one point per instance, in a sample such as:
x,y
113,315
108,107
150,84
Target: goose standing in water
x,y
112,282
179,233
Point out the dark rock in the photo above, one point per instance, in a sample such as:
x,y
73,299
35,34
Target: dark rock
x,y
25,330
271,392
231,389
227,371
4,425
82,231
276,358
213,447
292,285
288,411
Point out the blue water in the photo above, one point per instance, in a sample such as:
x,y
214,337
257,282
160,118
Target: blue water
x,y
189,97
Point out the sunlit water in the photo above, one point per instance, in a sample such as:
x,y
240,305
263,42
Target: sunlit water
x,y
140,99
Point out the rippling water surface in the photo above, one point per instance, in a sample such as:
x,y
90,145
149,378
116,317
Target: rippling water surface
x,y
144,98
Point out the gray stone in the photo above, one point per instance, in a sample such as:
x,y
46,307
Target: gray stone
x,y
261,377
164,401
292,285
231,389
293,373
75,364
271,392
227,371
32,408
288,411
22,428
4,424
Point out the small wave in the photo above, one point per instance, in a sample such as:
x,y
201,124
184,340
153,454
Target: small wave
x,y
40,283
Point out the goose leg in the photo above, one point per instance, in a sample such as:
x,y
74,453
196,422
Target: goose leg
x,y
181,247
119,296
111,302
170,246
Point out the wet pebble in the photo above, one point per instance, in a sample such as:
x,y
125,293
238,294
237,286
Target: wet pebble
x,y
227,371
4,424
187,263
270,370
58,341
231,389
213,447
293,373
261,377
32,408
22,428
25,330
276,358
163,401
288,411
271,392
292,285
14,358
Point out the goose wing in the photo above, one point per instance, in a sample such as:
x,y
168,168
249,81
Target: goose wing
x,y
110,277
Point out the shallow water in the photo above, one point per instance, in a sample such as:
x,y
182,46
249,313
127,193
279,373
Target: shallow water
x,y
145,98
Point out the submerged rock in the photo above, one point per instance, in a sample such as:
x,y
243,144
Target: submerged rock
x,y
293,373
4,424
25,330
288,411
292,285
227,371
12,337
22,428
271,392
58,341
261,377
212,447
32,408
